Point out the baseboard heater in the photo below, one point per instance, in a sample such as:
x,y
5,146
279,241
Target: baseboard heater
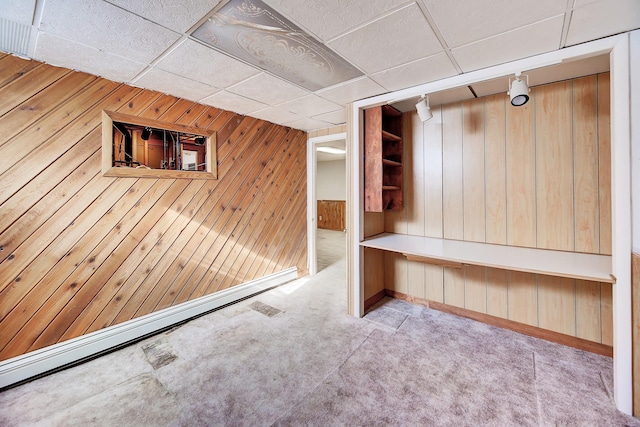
x,y
35,363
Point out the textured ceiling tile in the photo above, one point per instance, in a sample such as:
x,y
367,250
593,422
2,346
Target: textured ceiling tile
x,y
603,18
57,51
275,115
310,105
164,81
351,91
308,124
466,21
106,27
176,15
232,102
336,117
330,18
268,89
527,41
18,10
396,39
197,62
424,70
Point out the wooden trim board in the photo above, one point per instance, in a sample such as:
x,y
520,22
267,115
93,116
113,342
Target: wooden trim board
x,y
521,328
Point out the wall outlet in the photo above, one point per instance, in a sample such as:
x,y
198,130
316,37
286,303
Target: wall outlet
x,y
320,218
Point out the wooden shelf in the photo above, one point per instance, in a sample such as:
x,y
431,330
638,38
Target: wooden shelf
x,y
388,136
541,261
390,187
391,163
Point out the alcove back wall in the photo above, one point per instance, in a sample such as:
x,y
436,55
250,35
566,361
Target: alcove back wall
x,y
535,176
80,251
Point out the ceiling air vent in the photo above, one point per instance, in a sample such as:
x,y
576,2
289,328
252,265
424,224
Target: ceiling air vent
x,y
14,37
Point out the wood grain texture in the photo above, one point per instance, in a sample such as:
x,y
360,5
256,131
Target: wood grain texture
x,y
473,172
452,176
554,167
506,184
495,169
83,251
332,214
373,160
556,304
604,162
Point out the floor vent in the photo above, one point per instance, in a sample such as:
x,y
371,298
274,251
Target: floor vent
x,y
14,37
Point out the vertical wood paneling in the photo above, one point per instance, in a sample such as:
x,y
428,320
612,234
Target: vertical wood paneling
x,y
84,251
604,162
332,214
554,167
495,167
521,169
454,287
497,293
473,153
433,203
395,272
414,195
452,189
523,297
556,304
536,176
585,167
374,273
588,316
475,286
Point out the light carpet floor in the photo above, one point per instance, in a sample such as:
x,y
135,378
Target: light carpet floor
x,y
291,356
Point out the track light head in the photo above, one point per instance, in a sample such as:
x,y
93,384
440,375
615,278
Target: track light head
x,y
518,90
146,133
422,107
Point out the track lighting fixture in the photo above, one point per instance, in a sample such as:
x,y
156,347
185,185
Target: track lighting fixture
x,y
518,90
146,132
424,111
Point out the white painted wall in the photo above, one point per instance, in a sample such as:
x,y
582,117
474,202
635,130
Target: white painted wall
x,y
331,181
634,72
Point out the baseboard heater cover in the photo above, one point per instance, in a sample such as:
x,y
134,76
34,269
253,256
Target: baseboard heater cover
x,y
20,368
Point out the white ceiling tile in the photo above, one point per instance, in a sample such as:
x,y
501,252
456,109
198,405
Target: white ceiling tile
x,y
353,90
437,98
164,81
65,53
268,89
308,124
396,39
336,117
330,18
176,15
310,105
275,115
465,21
197,62
603,18
18,11
232,102
521,43
424,70
106,27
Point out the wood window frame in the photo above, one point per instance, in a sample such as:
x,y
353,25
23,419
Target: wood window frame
x,y
108,117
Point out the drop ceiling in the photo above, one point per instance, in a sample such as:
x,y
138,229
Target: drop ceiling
x,y
387,45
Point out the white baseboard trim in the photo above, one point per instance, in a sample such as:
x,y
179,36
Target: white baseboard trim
x,y
37,362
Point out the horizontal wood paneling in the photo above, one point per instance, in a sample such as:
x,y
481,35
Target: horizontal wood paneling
x,y
81,252
533,176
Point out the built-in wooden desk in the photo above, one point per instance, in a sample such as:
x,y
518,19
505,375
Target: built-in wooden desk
x,y
541,261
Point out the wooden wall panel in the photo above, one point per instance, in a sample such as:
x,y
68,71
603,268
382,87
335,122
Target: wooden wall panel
x,y
452,186
332,214
536,176
82,251
554,166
